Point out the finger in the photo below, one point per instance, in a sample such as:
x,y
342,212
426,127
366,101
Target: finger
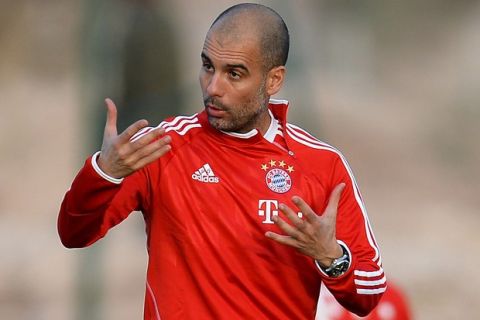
x,y
292,216
331,210
150,148
141,133
307,212
111,122
132,156
287,240
286,227
132,130
152,157
144,139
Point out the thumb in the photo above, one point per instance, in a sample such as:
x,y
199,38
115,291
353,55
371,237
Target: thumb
x,y
111,123
333,201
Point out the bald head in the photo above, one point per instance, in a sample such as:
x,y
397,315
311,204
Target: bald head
x,y
258,22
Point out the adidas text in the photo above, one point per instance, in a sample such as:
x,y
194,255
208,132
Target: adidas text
x,y
205,178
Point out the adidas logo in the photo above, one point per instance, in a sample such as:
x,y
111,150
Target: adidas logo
x,y
205,174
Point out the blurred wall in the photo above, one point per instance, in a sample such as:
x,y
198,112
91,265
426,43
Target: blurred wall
x,y
394,85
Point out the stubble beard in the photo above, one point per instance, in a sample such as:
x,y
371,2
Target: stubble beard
x,y
240,119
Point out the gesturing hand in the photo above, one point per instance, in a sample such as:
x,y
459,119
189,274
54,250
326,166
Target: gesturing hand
x,y
119,156
315,235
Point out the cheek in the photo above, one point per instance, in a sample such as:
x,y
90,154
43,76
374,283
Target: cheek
x,y
246,91
250,94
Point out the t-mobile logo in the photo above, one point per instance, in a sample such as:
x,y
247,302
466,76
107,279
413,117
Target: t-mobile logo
x,y
267,209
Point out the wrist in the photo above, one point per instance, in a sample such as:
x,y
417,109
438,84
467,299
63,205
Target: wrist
x,y
338,266
101,173
327,260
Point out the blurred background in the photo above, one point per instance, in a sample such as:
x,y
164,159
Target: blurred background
x,y
395,85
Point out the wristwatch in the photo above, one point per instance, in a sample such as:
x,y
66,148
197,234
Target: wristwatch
x,y
339,266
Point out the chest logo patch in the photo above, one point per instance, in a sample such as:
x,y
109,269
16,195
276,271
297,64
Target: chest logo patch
x,y
277,178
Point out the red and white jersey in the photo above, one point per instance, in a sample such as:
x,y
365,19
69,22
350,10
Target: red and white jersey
x,y
207,205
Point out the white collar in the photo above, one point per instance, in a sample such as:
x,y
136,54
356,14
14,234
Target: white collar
x,y
245,135
272,129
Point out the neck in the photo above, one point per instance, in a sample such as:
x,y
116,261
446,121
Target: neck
x,y
264,122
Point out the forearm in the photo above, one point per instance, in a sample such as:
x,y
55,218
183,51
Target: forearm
x,y
358,291
82,213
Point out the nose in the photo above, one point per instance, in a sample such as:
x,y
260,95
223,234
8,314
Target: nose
x,y
215,86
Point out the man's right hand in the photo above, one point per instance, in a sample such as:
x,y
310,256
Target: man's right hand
x,y
120,157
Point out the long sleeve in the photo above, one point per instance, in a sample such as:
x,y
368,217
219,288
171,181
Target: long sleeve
x,y
93,205
361,287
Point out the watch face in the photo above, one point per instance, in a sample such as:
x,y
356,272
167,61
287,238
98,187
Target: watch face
x,y
338,267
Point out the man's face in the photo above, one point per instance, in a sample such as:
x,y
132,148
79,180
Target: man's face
x,y
233,84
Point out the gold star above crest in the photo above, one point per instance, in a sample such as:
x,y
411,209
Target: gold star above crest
x,y
290,169
264,167
281,163
273,162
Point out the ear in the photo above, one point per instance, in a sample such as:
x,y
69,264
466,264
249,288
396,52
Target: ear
x,y
275,78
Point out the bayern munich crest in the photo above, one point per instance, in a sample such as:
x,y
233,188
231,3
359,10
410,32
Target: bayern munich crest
x,y
277,178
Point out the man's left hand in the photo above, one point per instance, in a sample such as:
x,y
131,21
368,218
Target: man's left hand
x,y
313,236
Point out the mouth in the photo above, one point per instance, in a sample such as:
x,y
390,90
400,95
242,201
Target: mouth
x,y
214,111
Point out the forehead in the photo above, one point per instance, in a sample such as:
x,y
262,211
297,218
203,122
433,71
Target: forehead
x,y
232,47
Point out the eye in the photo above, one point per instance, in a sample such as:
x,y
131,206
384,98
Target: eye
x,y
207,66
234,74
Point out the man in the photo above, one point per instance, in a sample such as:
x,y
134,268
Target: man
x,y
246,215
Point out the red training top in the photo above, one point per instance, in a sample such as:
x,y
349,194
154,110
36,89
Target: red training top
x,y
207,205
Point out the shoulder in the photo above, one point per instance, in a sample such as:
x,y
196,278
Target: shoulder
x,y
309,143
178,127
181,129
325,156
